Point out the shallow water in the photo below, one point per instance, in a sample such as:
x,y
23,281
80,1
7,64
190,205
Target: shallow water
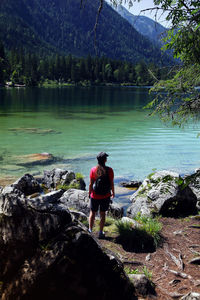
x,y
74,124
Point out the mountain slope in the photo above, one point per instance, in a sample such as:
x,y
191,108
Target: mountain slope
x,y
62,26
144,25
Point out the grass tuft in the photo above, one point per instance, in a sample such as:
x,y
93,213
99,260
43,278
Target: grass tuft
x,y
144,238
151,225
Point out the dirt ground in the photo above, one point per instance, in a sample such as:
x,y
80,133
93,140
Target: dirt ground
x,y
172,272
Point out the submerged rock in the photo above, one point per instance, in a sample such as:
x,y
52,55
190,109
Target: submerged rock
x,y
6,180
34,130
163,193
131,184
34,159
47,254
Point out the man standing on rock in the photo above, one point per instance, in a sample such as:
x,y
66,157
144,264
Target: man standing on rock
x,y
101,189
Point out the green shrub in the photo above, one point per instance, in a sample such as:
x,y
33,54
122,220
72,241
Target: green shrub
x,y
128,270
85,222
124,228
109,221
79,176
147,273
134,239
143,238
144,271
68,186
151,225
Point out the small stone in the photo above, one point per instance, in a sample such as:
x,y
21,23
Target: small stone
x,y
131,184
148,257
175,295
174,282
131,221
178,232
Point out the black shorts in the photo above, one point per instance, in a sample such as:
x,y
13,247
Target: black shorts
x,y
102,203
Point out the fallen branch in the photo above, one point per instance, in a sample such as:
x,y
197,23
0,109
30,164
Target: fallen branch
x,y
195,252
178,261
180,257
180,274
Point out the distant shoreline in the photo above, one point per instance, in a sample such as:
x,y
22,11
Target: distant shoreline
x,y
56,84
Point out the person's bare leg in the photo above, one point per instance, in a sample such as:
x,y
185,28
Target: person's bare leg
x,y
102,220
91,219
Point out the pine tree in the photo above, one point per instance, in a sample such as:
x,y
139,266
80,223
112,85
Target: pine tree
x,y
2,63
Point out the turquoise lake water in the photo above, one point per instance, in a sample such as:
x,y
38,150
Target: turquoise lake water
x,y
74,124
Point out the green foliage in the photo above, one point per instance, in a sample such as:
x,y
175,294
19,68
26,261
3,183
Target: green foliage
x,y
109,225
144,271
176,99
68,186
109,221
128,270
124,229
167,178
79,176
85,222
58,70
151,225
147,273
144,237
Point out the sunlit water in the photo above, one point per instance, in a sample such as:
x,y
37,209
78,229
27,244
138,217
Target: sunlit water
x,y
74,124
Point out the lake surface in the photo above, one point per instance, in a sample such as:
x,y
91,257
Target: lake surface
x,y
74,124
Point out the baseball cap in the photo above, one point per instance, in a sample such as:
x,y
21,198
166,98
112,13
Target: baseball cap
x,y
102,155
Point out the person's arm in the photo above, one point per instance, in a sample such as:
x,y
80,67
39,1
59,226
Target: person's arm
x,y
112,184
113,189
91,186
91,182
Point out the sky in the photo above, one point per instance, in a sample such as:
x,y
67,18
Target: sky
x,y
144,4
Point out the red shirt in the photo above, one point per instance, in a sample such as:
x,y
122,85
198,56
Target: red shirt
x,y
93,178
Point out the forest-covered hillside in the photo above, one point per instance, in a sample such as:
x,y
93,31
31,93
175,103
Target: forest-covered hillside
x,y
64,27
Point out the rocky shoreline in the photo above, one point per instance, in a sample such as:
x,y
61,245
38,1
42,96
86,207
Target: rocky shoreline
x,y
47,251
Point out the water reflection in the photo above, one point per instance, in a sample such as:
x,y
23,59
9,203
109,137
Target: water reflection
x,y
91,100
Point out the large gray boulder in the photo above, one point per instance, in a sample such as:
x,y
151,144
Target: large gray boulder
x,y
193,181
27,184
47,254
55,177
79,200
163,193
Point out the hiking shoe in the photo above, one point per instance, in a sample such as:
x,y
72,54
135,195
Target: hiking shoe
x,y
101,235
